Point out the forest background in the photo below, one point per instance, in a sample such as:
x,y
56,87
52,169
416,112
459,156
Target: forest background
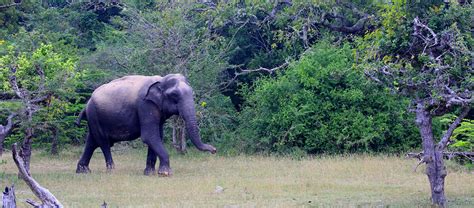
x,y
284,77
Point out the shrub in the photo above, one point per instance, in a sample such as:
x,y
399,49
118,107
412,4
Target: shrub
x,y
322,105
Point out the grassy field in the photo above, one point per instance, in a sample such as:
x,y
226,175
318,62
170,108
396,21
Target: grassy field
x,y
248,181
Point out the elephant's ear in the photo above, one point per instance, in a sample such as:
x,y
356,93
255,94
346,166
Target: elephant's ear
x,y
153,92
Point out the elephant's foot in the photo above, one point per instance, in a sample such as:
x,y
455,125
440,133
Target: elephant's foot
x,y
165,171
209,148
149,171
110,167
83,169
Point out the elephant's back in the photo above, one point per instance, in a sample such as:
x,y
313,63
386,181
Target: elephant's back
x,y
123,90
120,95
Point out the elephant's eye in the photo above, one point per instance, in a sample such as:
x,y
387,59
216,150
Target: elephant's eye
x,y
174,96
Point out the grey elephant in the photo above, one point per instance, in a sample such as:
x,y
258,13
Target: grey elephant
x,y
138,106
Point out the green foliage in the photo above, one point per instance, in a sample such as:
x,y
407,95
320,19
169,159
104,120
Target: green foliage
x,y
463,136
391,46
462,139
322,105
56,76
217,120
11,18
42,72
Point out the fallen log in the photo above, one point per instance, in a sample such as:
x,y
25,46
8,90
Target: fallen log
x,y
46,197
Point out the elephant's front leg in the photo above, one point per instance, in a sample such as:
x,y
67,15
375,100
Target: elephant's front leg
x,y
159,149
151,137
151,156
150,162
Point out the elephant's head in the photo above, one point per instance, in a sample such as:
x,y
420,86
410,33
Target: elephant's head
x,y
174,96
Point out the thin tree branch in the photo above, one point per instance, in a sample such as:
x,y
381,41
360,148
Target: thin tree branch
x,y
9,5
9,125
40,72
372,77
446,154
444,140
14,83
357,27
270,71
417,24
248,71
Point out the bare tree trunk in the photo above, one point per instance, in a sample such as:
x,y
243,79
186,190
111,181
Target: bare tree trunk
x,y
5,130
8,197
432,156
25,149
54,142
179,136
2,139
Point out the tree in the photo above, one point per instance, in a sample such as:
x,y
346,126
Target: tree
x,y
5,130
431,63
37,78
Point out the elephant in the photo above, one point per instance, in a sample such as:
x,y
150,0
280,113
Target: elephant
x,y
137,106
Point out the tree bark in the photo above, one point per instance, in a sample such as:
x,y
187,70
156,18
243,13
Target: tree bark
x,y
2,139
25,149
8,197
179,136
54,142
432,156
5,130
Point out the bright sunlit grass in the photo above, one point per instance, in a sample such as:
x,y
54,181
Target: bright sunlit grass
x,y
248,181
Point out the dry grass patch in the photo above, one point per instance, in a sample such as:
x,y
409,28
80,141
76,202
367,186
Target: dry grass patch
x,y
248,181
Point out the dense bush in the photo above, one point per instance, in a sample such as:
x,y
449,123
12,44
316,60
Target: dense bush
x,y
322,105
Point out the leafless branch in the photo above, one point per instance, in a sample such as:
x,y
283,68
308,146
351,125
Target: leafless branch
x,y
444,140
372,76
46,197
279,5
430,42
417,165
9,5
446,154
357,27
40,73
270,71
248,71
14,83
10,123
40,99
456,100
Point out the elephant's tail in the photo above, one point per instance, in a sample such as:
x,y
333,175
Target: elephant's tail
x,y
82,116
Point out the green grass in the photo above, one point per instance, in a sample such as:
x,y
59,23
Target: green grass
x,y
248,181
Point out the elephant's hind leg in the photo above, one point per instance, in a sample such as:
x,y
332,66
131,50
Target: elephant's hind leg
x,y
100,137
150,162
109,162
83,164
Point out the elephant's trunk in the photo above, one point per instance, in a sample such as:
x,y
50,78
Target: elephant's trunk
x,y
187,111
